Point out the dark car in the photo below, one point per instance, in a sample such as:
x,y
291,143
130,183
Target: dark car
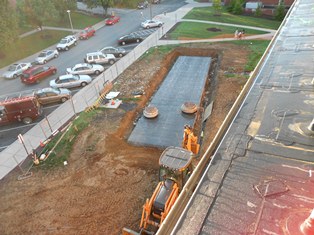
x,y
142,5
36,73
112,20
130,38
87,33
117,52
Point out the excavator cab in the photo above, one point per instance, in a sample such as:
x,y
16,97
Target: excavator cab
x,y
175,169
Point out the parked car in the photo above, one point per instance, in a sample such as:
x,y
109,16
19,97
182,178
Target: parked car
x,y
52,95
130,38
87,33
70,80
156,1
142,5
86,69
15,70
151,24
36,73
66,43
99,58
112,20
46,55
116,51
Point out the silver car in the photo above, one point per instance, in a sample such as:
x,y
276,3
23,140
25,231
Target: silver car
x,y
116,51
151,24
16,70
86,69
47,55
70,80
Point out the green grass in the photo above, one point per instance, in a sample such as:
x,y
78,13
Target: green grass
x,y
257,48
208,14
64,147
32,44
200,30
79,21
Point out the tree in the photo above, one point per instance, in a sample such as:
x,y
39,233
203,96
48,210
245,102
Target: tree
x,y
237,9
217,6
258,12
37,12
8,24
63,5
105,4
280,11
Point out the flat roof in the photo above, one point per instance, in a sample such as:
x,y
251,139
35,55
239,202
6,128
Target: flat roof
x,y
261,178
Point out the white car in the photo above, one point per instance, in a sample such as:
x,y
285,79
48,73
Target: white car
x,y
99,58
70,80
66,43
47,55
85,68
16,70
151,24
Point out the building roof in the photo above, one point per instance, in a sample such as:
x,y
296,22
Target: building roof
x,y
261,178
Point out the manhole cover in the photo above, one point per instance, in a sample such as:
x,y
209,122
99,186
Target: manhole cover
x,y
189,107
150,112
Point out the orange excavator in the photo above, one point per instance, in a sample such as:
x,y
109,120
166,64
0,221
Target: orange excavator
x,y
175,169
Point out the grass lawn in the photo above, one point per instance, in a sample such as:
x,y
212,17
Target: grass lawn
x,y
257,48
208,14
32,44
203,30
79,21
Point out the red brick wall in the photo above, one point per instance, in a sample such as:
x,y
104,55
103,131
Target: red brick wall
x,y
266,2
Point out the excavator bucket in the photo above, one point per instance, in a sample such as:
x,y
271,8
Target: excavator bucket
x,y
126,231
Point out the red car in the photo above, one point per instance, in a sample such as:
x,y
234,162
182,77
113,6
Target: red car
x,y
36,73
87,33
112,20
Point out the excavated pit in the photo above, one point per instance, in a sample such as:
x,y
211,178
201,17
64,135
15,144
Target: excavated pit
x,y
185,81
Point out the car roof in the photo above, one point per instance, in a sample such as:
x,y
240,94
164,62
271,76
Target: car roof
x,y
32,69
81,65
95,53
47,89
66,76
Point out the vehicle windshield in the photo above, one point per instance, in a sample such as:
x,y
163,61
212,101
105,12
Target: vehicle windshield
x,y
25,75
43,54
63,41
56,90
12,68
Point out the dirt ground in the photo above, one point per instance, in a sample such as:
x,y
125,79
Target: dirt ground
x,y
107,180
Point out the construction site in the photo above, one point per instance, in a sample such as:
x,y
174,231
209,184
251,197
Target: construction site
x,y
114,164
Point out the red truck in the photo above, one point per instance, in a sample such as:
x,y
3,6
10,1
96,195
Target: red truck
x,y
19,109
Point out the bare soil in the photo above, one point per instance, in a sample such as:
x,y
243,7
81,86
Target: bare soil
x,y
107,180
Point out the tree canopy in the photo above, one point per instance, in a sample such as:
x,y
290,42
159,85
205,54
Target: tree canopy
x,y
8,24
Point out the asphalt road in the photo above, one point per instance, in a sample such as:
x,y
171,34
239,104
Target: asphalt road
x,y
105,36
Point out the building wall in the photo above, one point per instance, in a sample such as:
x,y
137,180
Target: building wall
x,y
266,2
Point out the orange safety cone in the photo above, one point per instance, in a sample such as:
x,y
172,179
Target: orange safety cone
x,y
41,144
307,227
